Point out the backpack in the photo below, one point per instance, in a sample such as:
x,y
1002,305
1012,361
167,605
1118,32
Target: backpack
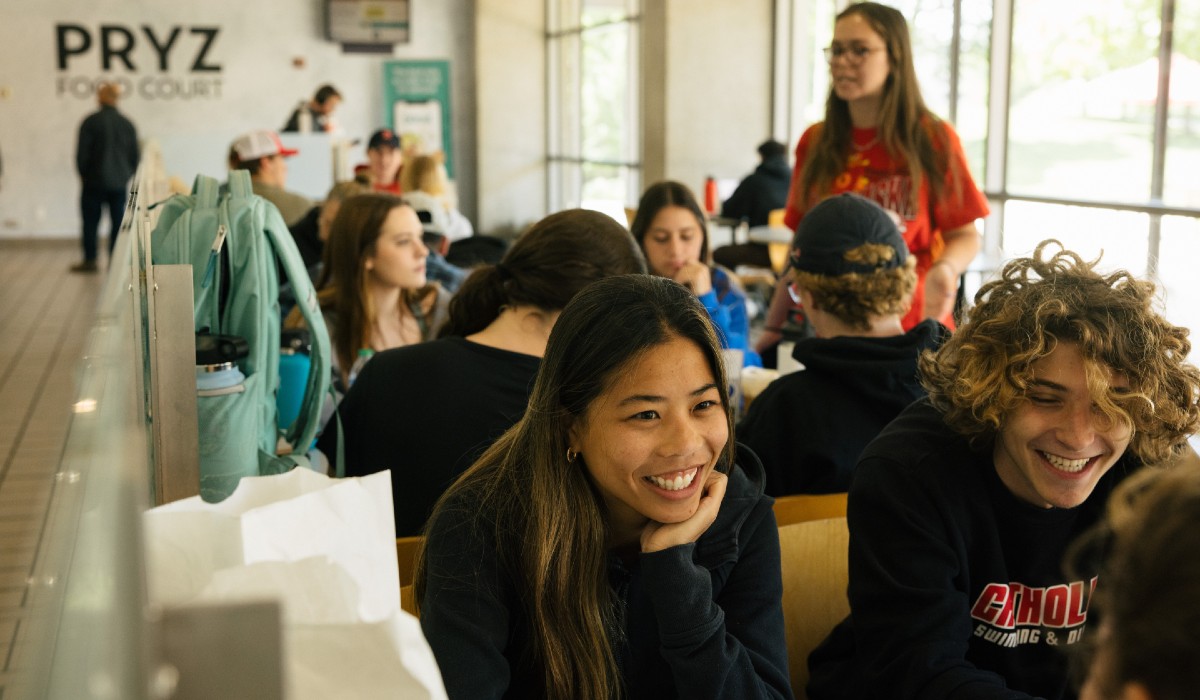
x,y
232,239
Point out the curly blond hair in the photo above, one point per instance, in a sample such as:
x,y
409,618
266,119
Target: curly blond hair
x,y
853,298
983,372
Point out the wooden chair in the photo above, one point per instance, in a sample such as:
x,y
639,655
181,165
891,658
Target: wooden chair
x,y
406,558
407,603
814,558
805,507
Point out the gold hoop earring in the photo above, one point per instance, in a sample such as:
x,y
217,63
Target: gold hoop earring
x,y
571,455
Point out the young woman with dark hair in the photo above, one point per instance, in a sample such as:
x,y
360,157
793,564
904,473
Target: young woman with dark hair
x,y
426,412
613,543
670,227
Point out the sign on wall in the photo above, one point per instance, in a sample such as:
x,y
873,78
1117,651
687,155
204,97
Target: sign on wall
x,y
153,62
417,97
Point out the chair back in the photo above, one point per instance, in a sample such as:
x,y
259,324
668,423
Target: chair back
x,y
407,602
406,558
804,507
814,558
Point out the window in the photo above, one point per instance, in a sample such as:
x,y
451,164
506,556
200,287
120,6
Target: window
x,y
1062,119
594,149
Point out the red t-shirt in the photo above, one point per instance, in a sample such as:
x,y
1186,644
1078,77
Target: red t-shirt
x,y
871,172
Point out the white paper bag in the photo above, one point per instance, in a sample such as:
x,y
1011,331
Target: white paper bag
x,y
326,549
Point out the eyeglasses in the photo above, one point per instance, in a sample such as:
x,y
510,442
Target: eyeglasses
x,y
854,55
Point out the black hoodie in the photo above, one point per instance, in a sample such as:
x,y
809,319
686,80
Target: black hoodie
x,y
810,427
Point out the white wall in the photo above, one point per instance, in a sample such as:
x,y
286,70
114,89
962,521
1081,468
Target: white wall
x,y
258,84
511,80
713,106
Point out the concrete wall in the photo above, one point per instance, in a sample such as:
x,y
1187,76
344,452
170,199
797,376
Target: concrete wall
x,y
708,81
510,74
264,57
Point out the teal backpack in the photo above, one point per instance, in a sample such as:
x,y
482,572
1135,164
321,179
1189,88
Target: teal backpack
x,y
232,241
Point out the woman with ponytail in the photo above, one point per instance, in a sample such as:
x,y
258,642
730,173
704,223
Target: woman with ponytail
x,y
614,543
428,411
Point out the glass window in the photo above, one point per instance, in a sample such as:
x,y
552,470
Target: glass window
x,y
1082,99
1119,235
595,149
1178,252
1181,186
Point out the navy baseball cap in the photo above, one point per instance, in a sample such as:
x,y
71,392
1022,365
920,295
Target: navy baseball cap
x,y
838,225
383,137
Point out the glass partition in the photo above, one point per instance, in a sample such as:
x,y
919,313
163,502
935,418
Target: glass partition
x,y
87,636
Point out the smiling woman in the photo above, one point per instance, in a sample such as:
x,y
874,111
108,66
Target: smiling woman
x,y
610,543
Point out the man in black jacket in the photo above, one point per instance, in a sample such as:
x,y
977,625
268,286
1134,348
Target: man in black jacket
x,y
854,276
1062,382
106,157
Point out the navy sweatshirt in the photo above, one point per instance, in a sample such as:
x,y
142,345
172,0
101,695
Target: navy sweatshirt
x,y
702,620
809,427
956,587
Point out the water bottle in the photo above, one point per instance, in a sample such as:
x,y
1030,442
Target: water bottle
x,y
217,372
710,194
364,356
294,365
219,378
304,120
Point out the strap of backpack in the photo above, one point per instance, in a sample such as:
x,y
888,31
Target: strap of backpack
x,y
206,190
239,184
300,435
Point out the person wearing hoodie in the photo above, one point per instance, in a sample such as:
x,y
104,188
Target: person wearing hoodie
x,y
852,272
756,196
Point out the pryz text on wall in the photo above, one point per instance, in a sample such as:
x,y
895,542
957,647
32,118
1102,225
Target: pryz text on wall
x,y
164,63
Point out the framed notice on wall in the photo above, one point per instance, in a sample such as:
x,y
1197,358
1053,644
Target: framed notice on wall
x,y
368,21
417,97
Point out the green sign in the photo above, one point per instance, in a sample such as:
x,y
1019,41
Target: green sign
x,y
417,100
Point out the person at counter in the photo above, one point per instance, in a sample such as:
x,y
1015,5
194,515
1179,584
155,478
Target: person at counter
x,y
615,542
1062,383
670,227
265,157
854,277
319,110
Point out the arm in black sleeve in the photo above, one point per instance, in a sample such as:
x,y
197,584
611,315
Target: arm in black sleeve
x,y
734,646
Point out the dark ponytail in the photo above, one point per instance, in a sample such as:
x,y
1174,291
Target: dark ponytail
x,y
545,268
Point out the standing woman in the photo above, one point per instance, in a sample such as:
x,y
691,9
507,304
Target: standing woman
x,y
670,228
612,544
373,290
879,140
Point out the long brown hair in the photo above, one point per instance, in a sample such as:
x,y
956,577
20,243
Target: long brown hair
x,y
659,196
546,519
545,267
343,286
911,133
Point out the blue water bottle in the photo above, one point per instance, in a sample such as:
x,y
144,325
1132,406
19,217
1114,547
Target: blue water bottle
x,y
294,365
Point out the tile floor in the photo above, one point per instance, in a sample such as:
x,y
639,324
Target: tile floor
x,y
46,314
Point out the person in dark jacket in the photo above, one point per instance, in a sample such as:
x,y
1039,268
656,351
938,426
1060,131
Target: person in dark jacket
x,y
764,190
106,157
612,544
756,196
463,390
1062,382
853,274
